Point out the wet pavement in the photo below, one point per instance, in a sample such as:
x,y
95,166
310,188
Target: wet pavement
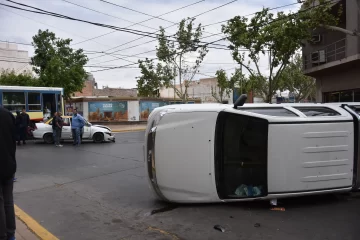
x,y
99,191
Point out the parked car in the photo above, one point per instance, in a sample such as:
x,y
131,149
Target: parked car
x,y
97,133
241,152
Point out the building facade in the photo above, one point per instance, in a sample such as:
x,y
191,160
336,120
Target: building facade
x,y
200,89
13,59
333,57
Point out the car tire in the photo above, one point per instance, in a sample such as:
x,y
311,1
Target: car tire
x,y
98,137
48,138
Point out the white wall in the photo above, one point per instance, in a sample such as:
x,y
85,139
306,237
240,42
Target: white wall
x,y
133,111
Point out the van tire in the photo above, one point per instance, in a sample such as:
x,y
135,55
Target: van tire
x,y
48,138
98,137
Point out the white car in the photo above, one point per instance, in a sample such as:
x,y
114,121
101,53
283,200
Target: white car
x,y
97,133
226,153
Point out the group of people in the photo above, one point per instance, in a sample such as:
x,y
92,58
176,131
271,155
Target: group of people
x,y
22,122
77,127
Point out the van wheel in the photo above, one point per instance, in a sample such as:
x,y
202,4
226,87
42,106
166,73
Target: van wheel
x,y
98,137
48,138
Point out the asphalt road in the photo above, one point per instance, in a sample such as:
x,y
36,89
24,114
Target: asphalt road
x,y
99,191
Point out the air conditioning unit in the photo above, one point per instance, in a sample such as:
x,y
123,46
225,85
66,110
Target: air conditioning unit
x,y
316,38
318,57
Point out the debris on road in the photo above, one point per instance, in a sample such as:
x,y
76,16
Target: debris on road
x,y
273,202
257,225
219,228
281,209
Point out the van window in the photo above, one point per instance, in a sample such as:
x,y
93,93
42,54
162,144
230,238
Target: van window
x,y
241,156
317,111
276,112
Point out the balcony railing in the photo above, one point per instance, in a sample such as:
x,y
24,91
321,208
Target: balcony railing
x,y
332,52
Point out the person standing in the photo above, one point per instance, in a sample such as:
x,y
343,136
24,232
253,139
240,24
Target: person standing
x,y
25,125
58,129
54,126
7,172
18,125
77,124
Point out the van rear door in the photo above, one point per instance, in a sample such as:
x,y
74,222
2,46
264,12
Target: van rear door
x,y
354,111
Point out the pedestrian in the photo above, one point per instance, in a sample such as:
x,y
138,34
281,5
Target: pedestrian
x,y
18,125
58,129
54,126
7,172
77,125
25,125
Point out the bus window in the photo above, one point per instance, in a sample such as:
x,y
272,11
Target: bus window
x,y
14,101
34,101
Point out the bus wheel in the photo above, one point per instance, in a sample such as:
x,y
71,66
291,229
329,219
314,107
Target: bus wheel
x,y
48,138
98,137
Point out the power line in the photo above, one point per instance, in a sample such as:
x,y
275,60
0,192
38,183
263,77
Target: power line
x,y
106,14
274,8
44,12
28,44
164,28
143,21
137,32
275,20
192,17
50,25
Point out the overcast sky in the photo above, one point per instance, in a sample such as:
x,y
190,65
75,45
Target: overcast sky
x,y
20,26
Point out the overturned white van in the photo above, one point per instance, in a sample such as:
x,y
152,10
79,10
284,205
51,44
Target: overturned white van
x,y
217,152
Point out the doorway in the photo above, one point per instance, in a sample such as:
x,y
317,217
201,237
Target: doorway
x,y
49,101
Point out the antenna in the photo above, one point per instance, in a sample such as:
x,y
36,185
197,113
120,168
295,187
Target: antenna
x,y
240,101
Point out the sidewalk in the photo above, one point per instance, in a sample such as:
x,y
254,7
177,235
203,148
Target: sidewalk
x,y
23,233
127,128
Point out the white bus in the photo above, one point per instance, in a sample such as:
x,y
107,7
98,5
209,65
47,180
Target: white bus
x,y
225,153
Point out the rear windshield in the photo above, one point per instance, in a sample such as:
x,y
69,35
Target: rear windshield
x,y
276,112
317,111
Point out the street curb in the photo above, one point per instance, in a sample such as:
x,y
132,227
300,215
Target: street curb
x,y
129,130
33,225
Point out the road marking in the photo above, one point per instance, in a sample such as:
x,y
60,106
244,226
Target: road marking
x,y
33,225
129,130
173,236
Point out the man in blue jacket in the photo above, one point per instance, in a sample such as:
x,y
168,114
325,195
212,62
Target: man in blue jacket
x,y
77,125
7,172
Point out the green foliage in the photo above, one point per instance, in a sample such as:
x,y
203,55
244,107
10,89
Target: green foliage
x,y
10,78
278,36
153,77
225,85
57,64
172,61
293,79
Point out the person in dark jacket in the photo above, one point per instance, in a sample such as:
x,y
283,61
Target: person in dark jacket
x,y
18,124
24,126
7,172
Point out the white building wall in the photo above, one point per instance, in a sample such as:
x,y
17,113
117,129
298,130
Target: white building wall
x,y
12,59
198,89
133,111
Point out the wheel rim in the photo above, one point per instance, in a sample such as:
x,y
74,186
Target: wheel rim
x,y
98,138
48,138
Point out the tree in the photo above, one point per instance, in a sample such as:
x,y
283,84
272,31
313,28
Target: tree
x,y
226,85
293,79
10,78
278,37
153,78
57,64
172,61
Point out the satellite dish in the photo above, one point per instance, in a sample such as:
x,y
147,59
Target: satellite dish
x,y
240,101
